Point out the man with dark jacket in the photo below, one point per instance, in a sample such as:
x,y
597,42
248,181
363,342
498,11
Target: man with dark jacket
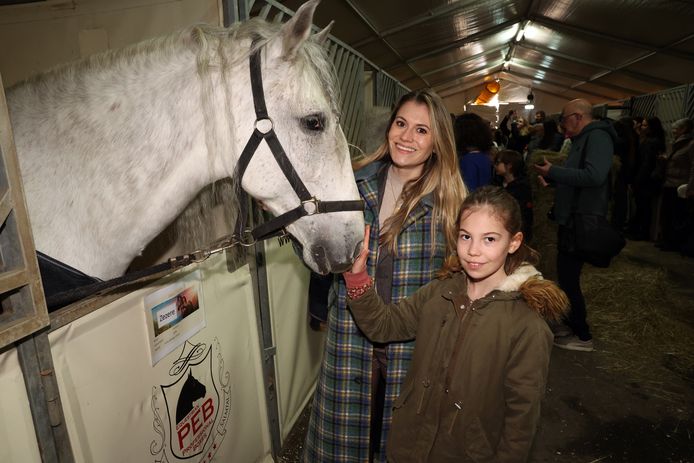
x,y
591,186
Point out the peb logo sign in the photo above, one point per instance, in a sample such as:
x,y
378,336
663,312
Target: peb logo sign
x,y
194,421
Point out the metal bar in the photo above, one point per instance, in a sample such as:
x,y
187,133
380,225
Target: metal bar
x,y
420,19
264,11
354,97
465,60
244,10
555,84
258,270
469,73
527,64
31,370
6,206
230,12
54,404
545,21
13,279
470,38
637,75
368,23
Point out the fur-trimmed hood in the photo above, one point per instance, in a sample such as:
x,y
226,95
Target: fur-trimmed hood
x,y
526,282
543,296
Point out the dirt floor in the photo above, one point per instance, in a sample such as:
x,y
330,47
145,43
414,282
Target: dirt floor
x,y
632,399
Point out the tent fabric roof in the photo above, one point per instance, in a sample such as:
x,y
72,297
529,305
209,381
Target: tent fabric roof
x,y
601,50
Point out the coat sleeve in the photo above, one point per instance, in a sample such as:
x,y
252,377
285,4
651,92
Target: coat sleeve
x,y
690,183
599,151
383,322
524,386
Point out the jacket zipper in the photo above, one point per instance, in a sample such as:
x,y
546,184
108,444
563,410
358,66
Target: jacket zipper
x,y
458,408
456,348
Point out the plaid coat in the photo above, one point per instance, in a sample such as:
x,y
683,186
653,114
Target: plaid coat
x,y
339,425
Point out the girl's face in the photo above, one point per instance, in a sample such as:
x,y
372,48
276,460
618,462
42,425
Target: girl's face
x,y
484,243
410,138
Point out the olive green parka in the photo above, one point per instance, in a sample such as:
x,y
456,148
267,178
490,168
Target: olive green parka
x,y
479,371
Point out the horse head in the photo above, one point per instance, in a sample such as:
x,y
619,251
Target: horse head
x,y
301,99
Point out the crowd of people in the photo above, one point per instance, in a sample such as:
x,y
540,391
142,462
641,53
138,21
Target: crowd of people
x,y
446,262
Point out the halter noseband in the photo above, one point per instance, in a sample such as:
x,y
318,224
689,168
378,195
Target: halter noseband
x,y
309,204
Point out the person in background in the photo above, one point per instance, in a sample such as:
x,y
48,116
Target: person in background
x,y
412,190
473,139
551,138
510,169
625,149
596,139
679,170
540,117
651,145
480,367
519,133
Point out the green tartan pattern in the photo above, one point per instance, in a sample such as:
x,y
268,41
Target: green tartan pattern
x,y
339,424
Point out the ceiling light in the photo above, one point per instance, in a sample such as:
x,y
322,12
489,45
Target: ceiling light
x,y
521,32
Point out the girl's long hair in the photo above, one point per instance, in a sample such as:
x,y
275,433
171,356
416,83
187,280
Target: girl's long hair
x,y
506,208
440,176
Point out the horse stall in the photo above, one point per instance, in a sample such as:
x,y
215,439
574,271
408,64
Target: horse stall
x,y
209,361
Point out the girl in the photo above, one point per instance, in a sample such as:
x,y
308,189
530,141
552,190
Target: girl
x,y
483,347
510,168
412,190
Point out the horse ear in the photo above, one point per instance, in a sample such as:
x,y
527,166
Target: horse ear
x,y
297,29
322,37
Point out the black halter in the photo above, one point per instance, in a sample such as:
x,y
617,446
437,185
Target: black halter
x,y
309,204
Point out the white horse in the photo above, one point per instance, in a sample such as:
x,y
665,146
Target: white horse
x,y
112,148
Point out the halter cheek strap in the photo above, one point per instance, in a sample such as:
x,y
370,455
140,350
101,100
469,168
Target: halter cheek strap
x,y
264,130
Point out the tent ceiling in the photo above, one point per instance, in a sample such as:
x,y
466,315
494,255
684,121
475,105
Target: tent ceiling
x,y
595,49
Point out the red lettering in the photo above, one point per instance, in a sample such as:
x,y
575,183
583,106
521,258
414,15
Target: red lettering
x,y
182,433
207,409
196,422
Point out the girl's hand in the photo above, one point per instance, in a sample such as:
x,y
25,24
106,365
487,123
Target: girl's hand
x,y
359,264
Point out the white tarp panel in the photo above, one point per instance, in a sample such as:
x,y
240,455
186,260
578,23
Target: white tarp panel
x,y
17,436
37,36
202,401
299,349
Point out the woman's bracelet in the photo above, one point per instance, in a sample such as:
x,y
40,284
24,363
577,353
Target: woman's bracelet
x,y
358,291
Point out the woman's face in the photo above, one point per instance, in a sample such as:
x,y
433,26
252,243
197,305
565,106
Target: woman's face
x,y
484,243
410,138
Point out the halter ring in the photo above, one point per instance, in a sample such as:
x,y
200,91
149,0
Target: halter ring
x,y
310,206
261,125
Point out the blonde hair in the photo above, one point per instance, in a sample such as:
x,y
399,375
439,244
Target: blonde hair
x,y
440,176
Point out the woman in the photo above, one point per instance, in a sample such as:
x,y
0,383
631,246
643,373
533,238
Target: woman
x,y
679,171
651,145
412,190
473,139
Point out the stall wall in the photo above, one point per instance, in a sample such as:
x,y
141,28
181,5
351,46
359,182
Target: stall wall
x,y
37,36
299,349
203,401
17,437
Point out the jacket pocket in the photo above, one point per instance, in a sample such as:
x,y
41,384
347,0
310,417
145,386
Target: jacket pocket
x,y
404,395
477,444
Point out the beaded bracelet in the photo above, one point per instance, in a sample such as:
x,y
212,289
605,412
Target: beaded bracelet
x,y
357,292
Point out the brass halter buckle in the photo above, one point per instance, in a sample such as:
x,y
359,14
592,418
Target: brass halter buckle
x,y
311,206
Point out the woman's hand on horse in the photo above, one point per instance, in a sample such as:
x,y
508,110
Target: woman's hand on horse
x,y
359,264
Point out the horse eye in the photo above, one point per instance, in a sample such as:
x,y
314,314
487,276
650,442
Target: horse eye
x,y
313,123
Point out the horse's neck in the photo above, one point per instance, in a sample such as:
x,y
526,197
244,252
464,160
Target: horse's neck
x,y
129,152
